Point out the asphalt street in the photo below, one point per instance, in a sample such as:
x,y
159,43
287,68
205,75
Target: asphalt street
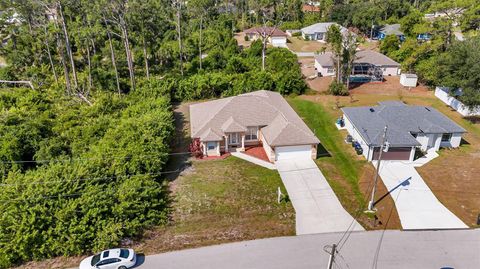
x,y
374,249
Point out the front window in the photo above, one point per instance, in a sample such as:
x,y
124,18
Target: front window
x,y
251,133
233,138
446,137
95,259
211,145
330,70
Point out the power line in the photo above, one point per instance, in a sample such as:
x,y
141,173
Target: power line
x,y
379,245
98,158
88,179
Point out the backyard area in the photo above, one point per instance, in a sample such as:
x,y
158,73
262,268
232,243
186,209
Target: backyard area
x,y
451,176
297,44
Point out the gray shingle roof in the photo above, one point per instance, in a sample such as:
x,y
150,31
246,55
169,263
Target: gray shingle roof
x,y
261,108
321,27
363,56
391,29
402,122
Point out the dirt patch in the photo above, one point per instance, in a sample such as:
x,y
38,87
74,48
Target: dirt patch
x,y
240,37
320,84
391,86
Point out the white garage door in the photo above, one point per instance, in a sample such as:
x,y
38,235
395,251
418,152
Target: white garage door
x,y
279,41
293,152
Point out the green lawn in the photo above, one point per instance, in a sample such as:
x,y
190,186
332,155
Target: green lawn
x,y
219,201
349,175
349,167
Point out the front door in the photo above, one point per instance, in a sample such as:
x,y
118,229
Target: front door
x,y
233,138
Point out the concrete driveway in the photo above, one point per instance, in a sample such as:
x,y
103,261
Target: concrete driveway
x,y
317,208
417,206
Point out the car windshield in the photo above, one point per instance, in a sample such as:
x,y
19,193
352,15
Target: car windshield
x,y
124,253
95,259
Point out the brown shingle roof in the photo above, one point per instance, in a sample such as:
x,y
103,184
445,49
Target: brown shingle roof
x,y
269,31
261,108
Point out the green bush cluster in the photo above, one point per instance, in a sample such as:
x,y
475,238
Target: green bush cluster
x,y
89,176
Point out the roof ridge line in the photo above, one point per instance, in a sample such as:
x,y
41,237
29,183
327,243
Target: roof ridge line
x,y
215,114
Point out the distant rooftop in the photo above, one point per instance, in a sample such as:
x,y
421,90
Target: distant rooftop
x,y
363,56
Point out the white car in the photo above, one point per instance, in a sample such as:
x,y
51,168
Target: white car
x,y
118,258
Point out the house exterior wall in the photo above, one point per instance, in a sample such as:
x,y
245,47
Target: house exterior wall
x,y
357,137
443,94
211,152
456,140
268,150
323,71
390,70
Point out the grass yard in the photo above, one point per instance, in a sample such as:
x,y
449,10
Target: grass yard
x,y
453,177
297,44
218,201
349,175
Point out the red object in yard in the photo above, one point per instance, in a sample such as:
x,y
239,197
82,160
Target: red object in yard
x,y
196,148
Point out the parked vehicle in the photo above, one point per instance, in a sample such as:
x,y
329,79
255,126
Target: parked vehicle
x,y
349,139
341,122
118,258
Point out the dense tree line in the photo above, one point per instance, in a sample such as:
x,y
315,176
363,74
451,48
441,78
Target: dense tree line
x,y
76,178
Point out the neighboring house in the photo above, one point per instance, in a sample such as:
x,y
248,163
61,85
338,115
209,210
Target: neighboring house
x,y
424,37
409,128
443,94
368,63
252,119
390,29
276,37
310,8
319,31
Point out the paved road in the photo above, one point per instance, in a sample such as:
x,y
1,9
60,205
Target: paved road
x,y
317,208
417,206
412,249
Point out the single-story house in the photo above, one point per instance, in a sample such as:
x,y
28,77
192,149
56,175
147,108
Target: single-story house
x,y
276,37
451,100
390,29
318,31
261,118
409,128
368,62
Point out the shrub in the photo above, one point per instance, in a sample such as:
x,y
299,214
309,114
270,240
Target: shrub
x,y
337,88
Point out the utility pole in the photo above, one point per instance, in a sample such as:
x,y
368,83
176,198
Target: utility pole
x,y
372,200
331,260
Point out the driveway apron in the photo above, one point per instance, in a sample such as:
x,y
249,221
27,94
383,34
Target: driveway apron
x,y
317,208
417,206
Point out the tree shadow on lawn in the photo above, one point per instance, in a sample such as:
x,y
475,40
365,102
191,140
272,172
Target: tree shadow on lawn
x,y
179,158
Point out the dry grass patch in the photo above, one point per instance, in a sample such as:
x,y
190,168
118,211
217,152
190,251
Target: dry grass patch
x,y
297,44
222,201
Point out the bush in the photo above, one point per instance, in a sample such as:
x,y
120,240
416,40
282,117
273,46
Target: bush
x,y
297,34
110,189
337,88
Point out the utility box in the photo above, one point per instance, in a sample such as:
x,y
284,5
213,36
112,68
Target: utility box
x,y
408,80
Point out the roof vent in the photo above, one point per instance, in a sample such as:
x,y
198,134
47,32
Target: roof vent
x,y
427,108
372,110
